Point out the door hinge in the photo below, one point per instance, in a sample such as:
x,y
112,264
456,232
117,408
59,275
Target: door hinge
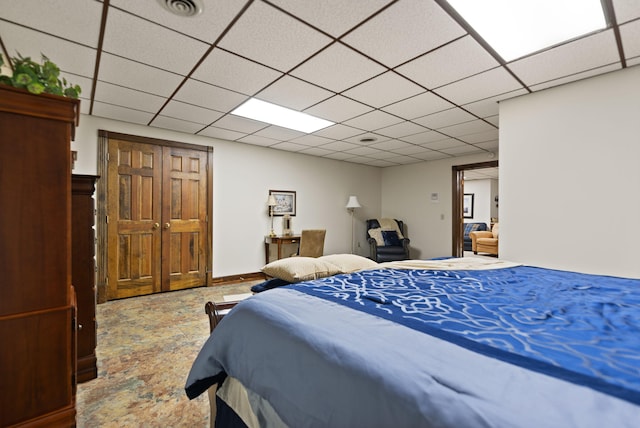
x,y
106,219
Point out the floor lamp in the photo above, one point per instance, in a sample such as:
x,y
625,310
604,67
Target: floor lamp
x,y
352,204
271,202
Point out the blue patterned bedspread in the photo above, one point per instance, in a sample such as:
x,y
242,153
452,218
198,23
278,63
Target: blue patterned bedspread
x,y
578,327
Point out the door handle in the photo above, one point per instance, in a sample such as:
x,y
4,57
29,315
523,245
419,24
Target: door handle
x,y
156,225
167,225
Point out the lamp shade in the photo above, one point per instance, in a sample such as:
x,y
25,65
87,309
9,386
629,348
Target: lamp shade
x,y
353,202
271,201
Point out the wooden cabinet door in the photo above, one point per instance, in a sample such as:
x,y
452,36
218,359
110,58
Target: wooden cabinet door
x,y
157,218
184,218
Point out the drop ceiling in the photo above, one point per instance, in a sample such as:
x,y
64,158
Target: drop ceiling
x,y
405,81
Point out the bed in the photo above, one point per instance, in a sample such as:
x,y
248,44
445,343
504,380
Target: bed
x,y
446,343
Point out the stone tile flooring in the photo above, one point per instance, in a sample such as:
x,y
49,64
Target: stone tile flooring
x,y
145,349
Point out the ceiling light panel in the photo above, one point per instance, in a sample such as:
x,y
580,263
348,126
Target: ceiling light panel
x,y
518,28
276,115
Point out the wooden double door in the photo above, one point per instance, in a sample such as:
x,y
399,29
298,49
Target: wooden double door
x,y
157,218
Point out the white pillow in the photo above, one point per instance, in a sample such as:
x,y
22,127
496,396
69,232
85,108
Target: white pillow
x,y
348,263
296,269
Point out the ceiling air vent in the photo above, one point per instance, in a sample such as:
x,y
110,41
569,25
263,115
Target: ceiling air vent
x,y
182,7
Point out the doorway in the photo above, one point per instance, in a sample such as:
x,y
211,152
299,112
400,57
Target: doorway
x,y
155,236
457,201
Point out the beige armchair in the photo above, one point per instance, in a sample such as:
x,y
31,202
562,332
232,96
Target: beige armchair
x,y
485,241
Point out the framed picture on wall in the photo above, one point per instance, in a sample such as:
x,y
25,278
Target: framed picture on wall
x,y
467,205
285,202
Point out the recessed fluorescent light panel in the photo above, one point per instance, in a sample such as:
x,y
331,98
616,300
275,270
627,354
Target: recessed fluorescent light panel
x,y
281,116
515,28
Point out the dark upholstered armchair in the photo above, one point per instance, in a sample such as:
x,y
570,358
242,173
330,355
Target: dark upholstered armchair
x,y
468,228
387,241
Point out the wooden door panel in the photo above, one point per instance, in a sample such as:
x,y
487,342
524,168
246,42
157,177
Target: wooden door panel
x,y
134,212
185,210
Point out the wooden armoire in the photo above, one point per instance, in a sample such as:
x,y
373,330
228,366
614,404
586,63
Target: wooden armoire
x,y
83,272
37,301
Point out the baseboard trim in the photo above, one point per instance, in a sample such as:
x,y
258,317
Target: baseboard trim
x,y
233,279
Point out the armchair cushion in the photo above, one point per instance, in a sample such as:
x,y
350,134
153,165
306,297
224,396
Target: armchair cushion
x,y
386,240
391,238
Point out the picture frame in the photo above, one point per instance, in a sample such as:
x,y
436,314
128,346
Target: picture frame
x,y
285,202
467,205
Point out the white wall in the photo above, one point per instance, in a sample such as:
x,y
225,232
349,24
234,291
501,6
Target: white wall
x,y
406,195
242,177
482,200
569,176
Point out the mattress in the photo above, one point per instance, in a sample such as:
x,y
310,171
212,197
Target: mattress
x,y
516,346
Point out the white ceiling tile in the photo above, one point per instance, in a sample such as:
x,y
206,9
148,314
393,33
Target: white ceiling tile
x,y
311,140
338,68
472,127
270,37
362,151
445,118
339,146
375,162
333,16
208,96
293,93
484,85
403,160
134,75
630,34
431,155
176,124
339,156
403,31
633,61
229,71
69,57
489,145
459,59
73,19
401,130
149,43
489,106
383,90
279,133
316,151
390,145
258,140
495,120
338,132
420,105
290,147
121,113
480,137
206,26
240,124
124,97
222,134
373,120
424,137
184,111
338,109
411,150
575,57
626,10
577,76
462,150
444,144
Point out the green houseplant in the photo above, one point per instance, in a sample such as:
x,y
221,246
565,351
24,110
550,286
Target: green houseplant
x,y
37,78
